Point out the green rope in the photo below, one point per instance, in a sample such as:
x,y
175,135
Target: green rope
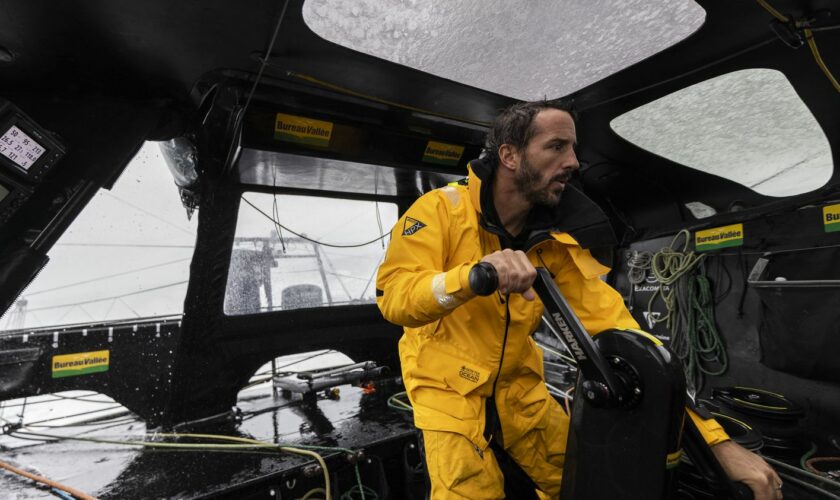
x,y
689,304
395,403
363,492
808,454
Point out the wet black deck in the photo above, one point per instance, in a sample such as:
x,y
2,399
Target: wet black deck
x,y
354,420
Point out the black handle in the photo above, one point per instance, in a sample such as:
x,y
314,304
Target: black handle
x,y
484,280
600,385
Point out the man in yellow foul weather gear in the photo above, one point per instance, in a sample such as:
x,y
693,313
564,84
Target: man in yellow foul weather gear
x,y
471,369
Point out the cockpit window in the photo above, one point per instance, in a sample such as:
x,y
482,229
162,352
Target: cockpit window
x,y
524,50
126,256
748,126
295,252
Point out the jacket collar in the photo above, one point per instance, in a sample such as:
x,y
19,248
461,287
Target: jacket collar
x,y
576,214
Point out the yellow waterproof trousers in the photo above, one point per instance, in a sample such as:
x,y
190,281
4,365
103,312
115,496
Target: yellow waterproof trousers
x,y
460,470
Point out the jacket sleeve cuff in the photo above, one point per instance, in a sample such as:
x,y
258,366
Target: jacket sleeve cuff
x,y
710,429
450,289
458,280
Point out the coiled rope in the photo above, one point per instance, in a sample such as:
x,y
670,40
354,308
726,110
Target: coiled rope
x,y
689,302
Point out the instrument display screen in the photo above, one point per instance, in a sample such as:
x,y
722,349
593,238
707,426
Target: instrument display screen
x,y
16,145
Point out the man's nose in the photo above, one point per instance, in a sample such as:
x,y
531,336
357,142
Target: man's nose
x,y
571,162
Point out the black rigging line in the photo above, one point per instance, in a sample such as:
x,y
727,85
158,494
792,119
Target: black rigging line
x,y
310,239
124,245
100,278
108,298
150,214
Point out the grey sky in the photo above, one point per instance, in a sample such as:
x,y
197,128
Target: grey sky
x,y
139,224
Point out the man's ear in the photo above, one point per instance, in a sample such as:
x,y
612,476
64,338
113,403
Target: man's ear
x,y
508,157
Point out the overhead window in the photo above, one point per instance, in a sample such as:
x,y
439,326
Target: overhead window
x,y
525,50
748,126
297,252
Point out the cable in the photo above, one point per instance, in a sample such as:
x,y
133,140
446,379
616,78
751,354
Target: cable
x,y
240,444
379,222
363,492
297,449
396,403
310,239
49,482
689,302
322,353
150,214
808,486
775,13
264,61
104,423
124,245
248,444
115,297
812,44
60,397
808,454
809,38
551,350
309,495
61,494
809,465
80,414
638,263
559,392
796,470
92,280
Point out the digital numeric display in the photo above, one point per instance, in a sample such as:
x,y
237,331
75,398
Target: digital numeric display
x,y
16,145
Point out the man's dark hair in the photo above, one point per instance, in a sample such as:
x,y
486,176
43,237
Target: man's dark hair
x,y
514,125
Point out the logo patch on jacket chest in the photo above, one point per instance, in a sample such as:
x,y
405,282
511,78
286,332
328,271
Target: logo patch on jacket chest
x,y
469,374
411,226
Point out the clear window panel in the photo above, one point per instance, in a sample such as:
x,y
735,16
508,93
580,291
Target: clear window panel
x,y
526,50
294,252
126,256
748,126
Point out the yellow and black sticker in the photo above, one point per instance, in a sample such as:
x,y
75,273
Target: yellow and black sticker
x,y
80,363
831,218
300,130
441,153
411,226
719,237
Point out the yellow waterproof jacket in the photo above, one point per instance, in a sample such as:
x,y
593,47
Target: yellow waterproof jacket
x,y
459,348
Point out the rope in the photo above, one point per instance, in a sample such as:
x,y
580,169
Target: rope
x,y
396,403
689,304
809,39
49,482
638,264
310,495
242,444
809,465
331,245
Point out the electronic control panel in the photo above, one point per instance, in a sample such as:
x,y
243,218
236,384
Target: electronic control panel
x,y
27,153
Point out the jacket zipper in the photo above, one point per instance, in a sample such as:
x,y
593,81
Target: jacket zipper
x,y
491,425
504,343
531,243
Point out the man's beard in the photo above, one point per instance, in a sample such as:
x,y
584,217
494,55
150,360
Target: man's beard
x,y
530,184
